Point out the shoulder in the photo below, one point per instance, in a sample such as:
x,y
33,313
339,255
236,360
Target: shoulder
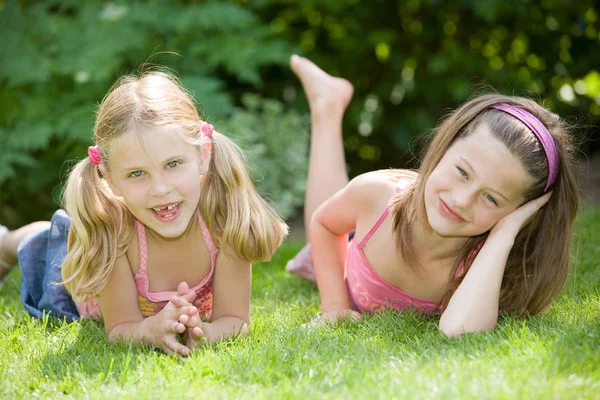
x,y
373,188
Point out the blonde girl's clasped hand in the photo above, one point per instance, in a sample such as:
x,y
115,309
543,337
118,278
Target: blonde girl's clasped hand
x,y
483,227
162,201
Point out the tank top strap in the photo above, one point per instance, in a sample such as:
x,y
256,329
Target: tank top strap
x,y
374,228
143,247
397,192
208,240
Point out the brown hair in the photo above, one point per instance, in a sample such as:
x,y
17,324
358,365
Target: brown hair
x,y
238,218
538,263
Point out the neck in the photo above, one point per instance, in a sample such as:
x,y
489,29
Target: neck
x,y
439,248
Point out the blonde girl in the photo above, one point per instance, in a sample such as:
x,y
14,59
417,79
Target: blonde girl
x,y
163,216
483,227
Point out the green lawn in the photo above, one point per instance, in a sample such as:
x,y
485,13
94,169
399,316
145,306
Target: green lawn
x,y
555,355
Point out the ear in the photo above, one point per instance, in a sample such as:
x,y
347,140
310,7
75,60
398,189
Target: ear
x,y
109,180
205,156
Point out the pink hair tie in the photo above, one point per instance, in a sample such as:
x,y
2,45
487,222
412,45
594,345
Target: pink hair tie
x,y
540,131
94,155
207,129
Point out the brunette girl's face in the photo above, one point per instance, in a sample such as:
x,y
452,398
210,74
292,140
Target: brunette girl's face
x,y
158,174
477,182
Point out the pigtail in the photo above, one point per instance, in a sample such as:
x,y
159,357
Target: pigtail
x,y
100,230
235,213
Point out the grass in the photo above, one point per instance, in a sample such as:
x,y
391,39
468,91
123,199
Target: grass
x,y
392,355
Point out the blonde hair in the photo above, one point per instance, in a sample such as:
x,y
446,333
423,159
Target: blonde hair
x,y
239,219
538,263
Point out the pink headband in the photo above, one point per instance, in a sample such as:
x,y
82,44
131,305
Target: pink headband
x,y
96,157
540,131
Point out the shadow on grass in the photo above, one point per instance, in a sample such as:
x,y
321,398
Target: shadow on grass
x,y
83,350
87,353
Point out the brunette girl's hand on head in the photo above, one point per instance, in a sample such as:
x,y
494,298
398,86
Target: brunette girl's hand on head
x,y
519,218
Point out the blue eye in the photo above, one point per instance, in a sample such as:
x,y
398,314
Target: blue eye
x,y
135,174
491,199
173,164
462,172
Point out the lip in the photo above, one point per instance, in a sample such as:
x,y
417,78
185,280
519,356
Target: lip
x,y
167,216
449,212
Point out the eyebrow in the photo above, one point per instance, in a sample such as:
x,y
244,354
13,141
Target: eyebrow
x,y
136,168
475,173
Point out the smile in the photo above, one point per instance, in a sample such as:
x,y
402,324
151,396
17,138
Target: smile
x,y
167,212
447,212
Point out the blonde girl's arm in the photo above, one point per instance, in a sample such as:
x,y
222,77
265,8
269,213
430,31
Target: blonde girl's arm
x,y
232,284
123,319
474,305
328,231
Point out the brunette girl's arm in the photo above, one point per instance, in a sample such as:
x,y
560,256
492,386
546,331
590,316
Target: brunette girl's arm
x,y
474,305
329,227
123,319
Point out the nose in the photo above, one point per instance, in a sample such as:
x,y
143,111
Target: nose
x,y
463,196
160,186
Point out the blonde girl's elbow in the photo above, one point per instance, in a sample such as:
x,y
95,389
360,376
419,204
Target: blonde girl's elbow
x,y
112,336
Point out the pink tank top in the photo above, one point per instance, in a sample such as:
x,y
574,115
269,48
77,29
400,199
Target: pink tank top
x,y
368,290
152,302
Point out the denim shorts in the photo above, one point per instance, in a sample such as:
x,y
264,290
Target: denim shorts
x,y
40,258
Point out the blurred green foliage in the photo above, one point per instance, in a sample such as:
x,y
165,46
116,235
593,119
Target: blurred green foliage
x,y
275,141
61,57
410,61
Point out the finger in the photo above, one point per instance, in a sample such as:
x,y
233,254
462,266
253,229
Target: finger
x,y
184,318
179,301
355,315
167,350
182,289
545,198
192,311
197,332
190,340
190,296
179,327
176,347
538,203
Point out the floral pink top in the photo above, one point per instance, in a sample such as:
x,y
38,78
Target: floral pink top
x,y
152,302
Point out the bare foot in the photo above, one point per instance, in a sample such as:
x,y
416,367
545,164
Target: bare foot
x,y
325,93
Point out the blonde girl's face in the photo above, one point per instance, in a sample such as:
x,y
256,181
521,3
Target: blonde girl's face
x,y
477,182
158,174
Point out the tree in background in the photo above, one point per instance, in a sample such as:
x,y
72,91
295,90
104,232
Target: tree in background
x,y
61,57
410,61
